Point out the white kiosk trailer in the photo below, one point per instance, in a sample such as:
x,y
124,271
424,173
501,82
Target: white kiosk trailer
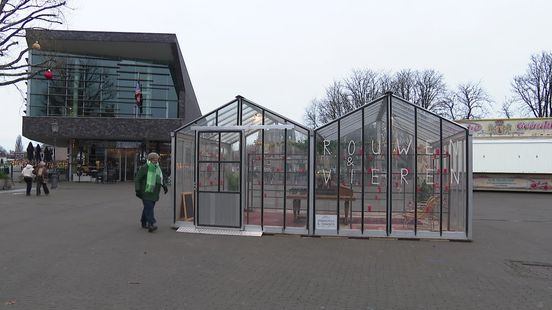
x,y
512,154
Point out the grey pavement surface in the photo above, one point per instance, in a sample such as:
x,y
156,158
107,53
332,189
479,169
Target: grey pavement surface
x,y
82,247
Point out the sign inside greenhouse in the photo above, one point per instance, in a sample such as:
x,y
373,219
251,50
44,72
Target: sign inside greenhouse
x,y
326,221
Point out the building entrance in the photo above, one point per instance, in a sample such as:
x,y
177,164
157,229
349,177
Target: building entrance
x,y
219,176
121,165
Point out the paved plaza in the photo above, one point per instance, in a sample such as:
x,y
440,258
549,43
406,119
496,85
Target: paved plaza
x,y
82,247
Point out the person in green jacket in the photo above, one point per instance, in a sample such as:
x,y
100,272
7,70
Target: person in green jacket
x,y
148,183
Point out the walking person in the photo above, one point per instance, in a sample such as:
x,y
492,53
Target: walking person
x,y
41,177
27,173
147,184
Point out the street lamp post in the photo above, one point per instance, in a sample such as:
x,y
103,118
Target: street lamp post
x,y
55,130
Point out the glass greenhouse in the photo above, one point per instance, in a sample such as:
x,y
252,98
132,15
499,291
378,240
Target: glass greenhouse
x,y
387,169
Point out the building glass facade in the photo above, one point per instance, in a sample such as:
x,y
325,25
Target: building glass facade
x,y
86,86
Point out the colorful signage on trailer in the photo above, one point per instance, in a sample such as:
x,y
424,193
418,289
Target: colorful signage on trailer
x,y
522,127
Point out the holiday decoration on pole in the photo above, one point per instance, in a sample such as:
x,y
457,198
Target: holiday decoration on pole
x,y
49,74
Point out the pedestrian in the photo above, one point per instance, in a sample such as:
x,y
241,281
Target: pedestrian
x,y
147,184
28,175
41,173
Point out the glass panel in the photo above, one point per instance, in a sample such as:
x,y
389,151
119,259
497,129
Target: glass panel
x,y
209,146
230,177
230,146
112,167
402,163
455,189
271,119
326,181
254,141
273,170
208,177
208,120
251,115
427,174
228,116
375,167
297,162
350,172
185,169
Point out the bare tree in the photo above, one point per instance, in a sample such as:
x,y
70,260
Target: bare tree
x,y
534,88
448,106
403,84
363,86
15,17
311,115
335,104
428,90
18,144
472,100
507,108
424,88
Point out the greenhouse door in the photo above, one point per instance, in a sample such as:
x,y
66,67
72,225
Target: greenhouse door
x,y
219,178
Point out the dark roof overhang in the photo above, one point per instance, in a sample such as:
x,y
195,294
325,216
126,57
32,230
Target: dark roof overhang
x,y
159,48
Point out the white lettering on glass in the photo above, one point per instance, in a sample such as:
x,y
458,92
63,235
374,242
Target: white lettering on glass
x,y
429,175
375,177
327,177
403,150
454,162
326,144
404,172
379,148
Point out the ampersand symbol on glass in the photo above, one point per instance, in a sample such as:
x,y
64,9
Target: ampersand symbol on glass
x,y
351,151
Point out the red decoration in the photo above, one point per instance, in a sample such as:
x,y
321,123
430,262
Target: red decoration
x,y
369,208
379,189
49,74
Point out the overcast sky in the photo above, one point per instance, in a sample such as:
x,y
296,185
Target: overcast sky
x,y
283,53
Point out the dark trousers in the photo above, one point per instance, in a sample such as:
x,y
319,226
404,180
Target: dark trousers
x,y
29,182
148,218
41,184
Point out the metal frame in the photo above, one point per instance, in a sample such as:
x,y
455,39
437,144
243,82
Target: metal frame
x,y
387,102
